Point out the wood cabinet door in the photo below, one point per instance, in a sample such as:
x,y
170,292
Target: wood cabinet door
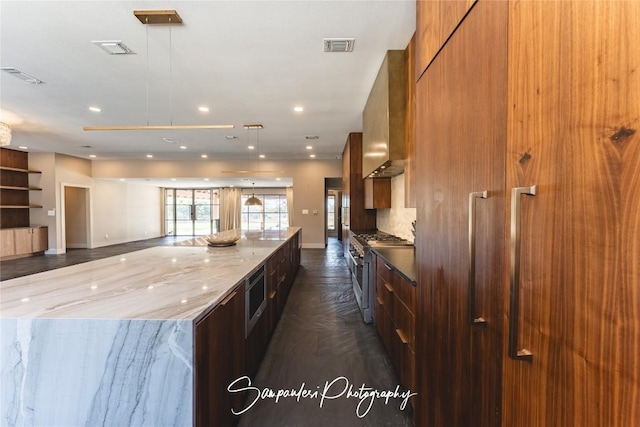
x,y
574,109
219,360
461,126
23,241
40,239
7,243
435,21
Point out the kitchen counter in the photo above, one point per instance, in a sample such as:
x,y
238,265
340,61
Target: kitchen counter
x,y
112,342
165,282
400,257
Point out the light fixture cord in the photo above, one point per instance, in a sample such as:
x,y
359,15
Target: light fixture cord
x,y
147,31
170,76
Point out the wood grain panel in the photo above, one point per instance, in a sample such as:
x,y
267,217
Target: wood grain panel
x,y
435,21
410,126
377,193
7,243
460,147
219,359
574,93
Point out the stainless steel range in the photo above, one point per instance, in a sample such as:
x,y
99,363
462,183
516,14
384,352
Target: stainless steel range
x,y
362,273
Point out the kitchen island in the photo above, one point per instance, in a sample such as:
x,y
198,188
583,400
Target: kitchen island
x,y
129,340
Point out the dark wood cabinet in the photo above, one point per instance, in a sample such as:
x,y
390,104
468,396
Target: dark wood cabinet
x,y
219,360
395,320
539,324
15,189
377,193
435,22
354,215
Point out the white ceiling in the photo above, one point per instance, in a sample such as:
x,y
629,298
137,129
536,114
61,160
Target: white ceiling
x,y
248,61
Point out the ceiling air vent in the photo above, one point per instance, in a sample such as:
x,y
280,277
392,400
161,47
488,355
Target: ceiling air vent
x,y
22,76
113,47
338,45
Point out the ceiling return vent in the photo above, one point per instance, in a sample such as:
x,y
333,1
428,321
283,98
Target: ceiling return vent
x,y
113,47
338,45
22,76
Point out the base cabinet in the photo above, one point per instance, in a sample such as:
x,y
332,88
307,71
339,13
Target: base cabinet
x,y
395,320
24,241
219,359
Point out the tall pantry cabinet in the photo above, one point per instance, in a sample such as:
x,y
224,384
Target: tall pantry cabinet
x,y
528,233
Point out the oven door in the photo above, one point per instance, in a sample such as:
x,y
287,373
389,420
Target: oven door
x,y
356,266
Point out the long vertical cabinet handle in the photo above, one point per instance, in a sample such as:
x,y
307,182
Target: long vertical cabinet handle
x,y
473,197
514,298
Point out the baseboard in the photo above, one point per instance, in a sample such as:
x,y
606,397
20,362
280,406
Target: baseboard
x,y
313,246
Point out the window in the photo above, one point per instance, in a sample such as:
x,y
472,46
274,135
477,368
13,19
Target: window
x,y
191,212
272,215
331,212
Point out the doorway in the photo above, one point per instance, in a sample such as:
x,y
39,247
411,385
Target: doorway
x,y
333,208
76,217
192,212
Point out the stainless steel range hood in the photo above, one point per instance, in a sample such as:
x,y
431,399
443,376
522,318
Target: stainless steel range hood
x,y
383,119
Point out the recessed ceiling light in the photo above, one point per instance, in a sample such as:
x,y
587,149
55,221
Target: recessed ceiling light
x,y
206,179
298,109
204,156
230,137
173,179
113,47
22,147
251,147
278,179
203,109
170,141
93,156
313,156
122,179
262,156
309,147
183,147
95,109
150,156
254,126
311,137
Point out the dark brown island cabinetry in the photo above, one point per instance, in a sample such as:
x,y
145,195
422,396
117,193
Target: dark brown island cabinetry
x,y
219,360
223,353
527,248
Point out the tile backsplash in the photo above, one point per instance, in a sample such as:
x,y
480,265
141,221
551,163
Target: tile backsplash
x,y
398,219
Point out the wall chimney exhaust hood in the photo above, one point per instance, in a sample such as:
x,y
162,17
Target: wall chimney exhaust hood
x,y
383,120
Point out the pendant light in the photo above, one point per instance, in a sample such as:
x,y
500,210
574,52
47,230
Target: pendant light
x,y
253,200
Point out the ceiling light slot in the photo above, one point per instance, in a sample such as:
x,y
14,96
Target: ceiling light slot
x,y
339,44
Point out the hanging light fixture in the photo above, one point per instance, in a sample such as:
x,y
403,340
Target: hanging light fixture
x,y
150,17
5,134
253,200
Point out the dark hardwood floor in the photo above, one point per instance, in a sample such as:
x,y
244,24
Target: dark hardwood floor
x,y
320,339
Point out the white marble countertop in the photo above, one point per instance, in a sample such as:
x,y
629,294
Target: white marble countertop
x,y
166,282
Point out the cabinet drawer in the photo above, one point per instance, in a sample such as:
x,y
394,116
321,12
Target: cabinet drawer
x,y
405,291
384,270
384,291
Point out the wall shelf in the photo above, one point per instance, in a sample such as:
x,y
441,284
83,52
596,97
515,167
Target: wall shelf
x,y
9,187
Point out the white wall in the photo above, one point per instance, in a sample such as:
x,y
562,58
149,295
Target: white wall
x,y
308,183
397,220
123,211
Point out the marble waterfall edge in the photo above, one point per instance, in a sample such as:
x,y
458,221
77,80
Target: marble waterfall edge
x,y
96,372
